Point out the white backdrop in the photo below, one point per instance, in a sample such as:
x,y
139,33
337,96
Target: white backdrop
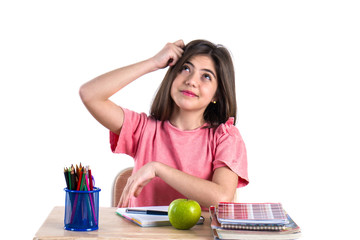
x,y
297,72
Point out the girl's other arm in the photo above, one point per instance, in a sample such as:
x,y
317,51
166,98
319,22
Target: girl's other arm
x,y
221,188
95,94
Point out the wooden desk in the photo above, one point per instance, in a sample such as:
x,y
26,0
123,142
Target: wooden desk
x,y
112,226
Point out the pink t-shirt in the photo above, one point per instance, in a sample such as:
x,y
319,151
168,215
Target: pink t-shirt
x,y
197,152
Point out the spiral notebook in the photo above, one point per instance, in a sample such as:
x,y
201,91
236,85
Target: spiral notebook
x,y
257,216
291,231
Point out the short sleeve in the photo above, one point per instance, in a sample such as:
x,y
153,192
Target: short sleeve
x,y
231,152
131,131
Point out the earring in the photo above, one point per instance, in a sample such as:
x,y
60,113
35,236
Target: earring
x,y
214,102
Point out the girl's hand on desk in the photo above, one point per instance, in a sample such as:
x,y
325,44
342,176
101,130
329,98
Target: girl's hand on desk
x,y
169,55
136,182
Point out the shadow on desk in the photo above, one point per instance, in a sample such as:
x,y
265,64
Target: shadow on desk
x,y
112,226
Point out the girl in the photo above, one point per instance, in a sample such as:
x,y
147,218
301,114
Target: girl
x,y
188,147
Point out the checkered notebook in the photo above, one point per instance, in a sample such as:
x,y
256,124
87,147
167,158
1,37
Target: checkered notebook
x,y
251,214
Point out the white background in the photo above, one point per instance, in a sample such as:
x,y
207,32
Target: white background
x,y
297,72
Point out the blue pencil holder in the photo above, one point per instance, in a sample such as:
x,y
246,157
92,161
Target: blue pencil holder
x,y
81,210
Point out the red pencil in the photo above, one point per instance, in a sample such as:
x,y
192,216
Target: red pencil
x,y
90,180
79,182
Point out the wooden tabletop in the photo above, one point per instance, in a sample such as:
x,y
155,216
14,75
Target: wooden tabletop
x,y
112,226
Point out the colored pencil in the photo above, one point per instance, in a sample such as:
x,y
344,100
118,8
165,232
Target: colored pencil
x,y
66,177
69,176
91,200
80,178
90,180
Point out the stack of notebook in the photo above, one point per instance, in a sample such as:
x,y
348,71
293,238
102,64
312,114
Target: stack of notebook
x,y
252,221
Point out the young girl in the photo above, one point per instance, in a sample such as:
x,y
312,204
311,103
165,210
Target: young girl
x,y
188,147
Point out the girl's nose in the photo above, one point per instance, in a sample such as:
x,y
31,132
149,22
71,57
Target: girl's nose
x,y
191,80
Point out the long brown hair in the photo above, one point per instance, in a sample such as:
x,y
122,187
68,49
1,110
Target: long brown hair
x,y
225,96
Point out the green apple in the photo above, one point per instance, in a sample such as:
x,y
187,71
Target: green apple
x,y
184,213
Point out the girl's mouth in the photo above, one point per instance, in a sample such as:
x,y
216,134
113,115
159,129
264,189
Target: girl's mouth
x,y
188,93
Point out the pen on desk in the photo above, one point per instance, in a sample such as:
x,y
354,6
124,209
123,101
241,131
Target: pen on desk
x,y
144,211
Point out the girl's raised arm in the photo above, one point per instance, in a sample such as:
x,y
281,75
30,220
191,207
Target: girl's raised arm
x,y
95,94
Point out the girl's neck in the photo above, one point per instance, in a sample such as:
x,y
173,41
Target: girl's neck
x,y
187,121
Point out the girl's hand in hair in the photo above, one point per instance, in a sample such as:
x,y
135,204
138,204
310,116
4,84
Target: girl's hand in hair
x,y
169,55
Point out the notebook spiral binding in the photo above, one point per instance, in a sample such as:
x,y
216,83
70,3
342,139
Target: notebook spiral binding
x,y
254,227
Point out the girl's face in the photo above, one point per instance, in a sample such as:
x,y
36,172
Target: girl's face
x,y
195,85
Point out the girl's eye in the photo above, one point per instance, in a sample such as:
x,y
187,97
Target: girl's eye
x,y
185,68
207,76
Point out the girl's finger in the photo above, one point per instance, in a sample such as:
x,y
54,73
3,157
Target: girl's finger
x,y
180,43
124,202
176,56
122,198
138,191
125,196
